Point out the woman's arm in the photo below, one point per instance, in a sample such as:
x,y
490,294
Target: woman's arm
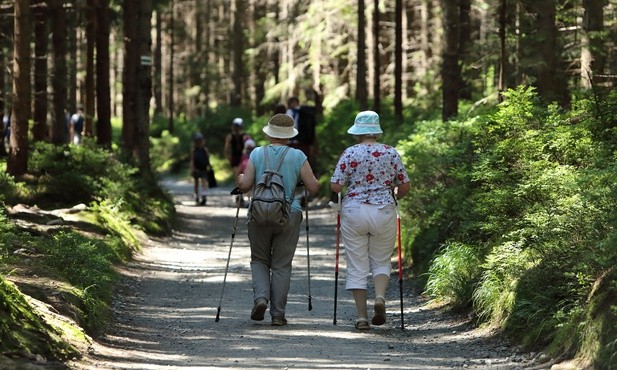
x,y
403,189
246,179
308,178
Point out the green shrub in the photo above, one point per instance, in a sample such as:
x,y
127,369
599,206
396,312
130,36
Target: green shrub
x,y
453,274
88,265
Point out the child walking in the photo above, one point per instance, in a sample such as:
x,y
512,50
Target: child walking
x,y
200,165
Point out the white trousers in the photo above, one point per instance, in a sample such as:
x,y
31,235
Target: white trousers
x,y
369,233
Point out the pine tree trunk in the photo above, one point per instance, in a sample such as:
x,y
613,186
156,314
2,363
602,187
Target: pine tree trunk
x,y
592,51
376,59
503,11
463,44
91,29
237,48
361,87
398,61
143,64
59,125
70,31
129,77
2,101
157,59
17,164
103,88
39,130
450,73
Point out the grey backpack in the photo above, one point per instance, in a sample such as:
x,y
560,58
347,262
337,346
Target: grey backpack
x,y
269,206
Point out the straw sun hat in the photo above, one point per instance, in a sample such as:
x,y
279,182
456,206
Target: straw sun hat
x,y
280,126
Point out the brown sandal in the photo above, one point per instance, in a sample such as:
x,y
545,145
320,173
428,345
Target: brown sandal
x,y
379,317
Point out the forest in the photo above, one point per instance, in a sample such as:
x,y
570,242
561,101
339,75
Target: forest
x,y
504,111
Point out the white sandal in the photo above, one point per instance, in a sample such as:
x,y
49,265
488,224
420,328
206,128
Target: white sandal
x,y
362,324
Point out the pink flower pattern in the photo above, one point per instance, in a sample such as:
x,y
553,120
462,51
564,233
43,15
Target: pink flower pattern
x,y
370,171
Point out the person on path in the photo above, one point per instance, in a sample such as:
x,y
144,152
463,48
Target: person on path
x,y
374,175
305,122
76,126
273,247
234,146
199,167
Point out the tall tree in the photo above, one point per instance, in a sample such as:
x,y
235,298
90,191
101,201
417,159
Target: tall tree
x,y
592,46
450,71
143,66
170,76
463,45
2,99
398,61
157,66
89,93
361,87
237,47
103,88
18,154
39,129
503,11
59,82
376,59
130,77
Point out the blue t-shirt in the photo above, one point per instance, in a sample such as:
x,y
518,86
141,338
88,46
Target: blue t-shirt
x,y
290,168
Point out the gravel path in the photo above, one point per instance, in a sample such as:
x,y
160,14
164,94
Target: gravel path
x,y
165,310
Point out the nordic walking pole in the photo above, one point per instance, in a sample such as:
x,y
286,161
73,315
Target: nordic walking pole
x,y
236,191
400,260
338,238
308,254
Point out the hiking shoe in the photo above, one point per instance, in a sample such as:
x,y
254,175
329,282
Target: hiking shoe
x,y
259,308
279,321
379,317
204,199
197,201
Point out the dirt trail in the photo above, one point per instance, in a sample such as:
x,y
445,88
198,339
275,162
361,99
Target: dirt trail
x,y
165,312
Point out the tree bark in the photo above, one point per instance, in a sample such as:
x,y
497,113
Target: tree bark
x,y
361,87
503,11
129,77
39,129
144,87
2,102
450,73
103,87
91,29
593,55
463,45
398,61
59,128
157,60
376,59
17,164
237,48
170,76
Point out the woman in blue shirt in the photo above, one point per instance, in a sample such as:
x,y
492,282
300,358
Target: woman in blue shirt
x,y
273,247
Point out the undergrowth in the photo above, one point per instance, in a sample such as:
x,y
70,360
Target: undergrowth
x,y
513,211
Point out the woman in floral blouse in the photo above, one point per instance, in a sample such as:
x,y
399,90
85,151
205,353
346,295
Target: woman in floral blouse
x,y
373,174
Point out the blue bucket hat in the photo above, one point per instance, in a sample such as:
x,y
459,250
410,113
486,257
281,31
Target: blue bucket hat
x,y
366,123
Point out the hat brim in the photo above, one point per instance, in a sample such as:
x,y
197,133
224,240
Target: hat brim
x,y
354,130
284,133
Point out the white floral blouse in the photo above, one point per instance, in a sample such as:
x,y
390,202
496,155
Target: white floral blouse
x,y
370,172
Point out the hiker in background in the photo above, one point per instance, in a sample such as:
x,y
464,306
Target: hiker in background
x,y
200,165
234,146
305,122
371,172
76,126
249,145
5,134
280,108
273,247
